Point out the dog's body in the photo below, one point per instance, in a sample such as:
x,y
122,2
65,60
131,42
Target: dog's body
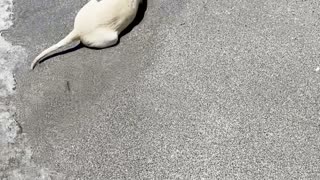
x,y
98,24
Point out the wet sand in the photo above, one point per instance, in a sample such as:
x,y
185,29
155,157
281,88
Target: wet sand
x,y
197,90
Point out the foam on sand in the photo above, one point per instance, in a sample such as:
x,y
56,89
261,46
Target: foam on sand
x,y
15,155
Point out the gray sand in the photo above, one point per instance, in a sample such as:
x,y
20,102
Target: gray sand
x,y
197,90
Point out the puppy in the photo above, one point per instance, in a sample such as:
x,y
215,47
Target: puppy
x,y
98,24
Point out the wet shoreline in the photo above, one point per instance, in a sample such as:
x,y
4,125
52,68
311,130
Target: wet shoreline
x,y
197,90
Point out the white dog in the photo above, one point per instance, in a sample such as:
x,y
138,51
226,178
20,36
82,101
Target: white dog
x,y
98,24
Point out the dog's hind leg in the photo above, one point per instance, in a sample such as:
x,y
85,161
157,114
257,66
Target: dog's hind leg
x,y
100,38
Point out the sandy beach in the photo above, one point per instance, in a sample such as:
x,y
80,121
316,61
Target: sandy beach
x,y
196,90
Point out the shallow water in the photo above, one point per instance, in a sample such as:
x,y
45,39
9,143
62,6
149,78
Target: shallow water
x,y
15,155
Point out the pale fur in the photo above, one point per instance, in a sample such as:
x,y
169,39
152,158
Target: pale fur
x,y
98,24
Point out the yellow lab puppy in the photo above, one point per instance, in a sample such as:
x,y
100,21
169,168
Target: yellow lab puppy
x,y
98,24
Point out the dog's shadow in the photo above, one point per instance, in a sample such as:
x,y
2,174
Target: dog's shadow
x,y
139,17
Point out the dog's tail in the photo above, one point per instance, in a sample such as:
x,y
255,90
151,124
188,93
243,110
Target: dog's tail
x,y
71,37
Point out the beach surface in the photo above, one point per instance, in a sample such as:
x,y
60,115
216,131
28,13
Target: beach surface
x,y
196,90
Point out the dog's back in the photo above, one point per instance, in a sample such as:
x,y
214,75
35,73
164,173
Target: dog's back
x,y
115,15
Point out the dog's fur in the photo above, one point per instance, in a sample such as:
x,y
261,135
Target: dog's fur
x,y
98,24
